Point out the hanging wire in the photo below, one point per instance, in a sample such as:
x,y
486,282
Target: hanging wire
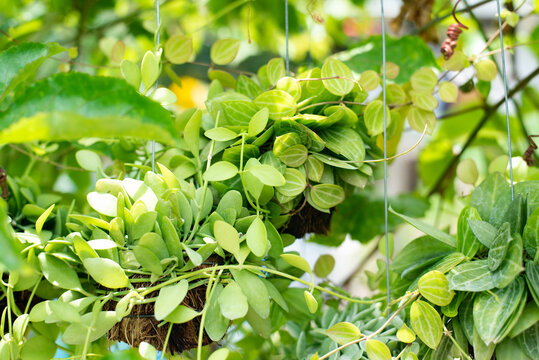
x,y
157,41
287,56
505,91
386,205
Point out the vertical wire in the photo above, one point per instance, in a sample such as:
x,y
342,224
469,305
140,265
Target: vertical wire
x,y
505,91
287,56
157,40
385,152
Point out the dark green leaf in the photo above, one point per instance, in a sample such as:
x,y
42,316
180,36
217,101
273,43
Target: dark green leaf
x,y
471,276
467,242
492,198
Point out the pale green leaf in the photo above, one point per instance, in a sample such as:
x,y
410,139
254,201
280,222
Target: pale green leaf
x,y
344,83
222,170
279,103
426,323
169,298
343,333
106,272
233,302
179,49
224,51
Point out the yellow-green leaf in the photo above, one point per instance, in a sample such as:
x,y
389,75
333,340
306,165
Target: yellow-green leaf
x,y
377,350
178,49
333,68
434,286
343,333
224,51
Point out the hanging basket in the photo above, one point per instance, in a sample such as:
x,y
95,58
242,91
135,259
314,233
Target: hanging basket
x,y
141,325
309,220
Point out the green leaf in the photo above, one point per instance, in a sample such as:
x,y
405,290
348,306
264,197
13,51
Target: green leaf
x,y
343,333
255,290
344,141
532,279
169,298
467,242
529,343
248,87
232,302
224,51
424,100
419,254
216,324
179,49
426,323
405,334
492,310
106,272
428,229
297,261
64,311
335,68
377,350
148,260
291,86
88,160
312,304
424,80
38,348
279,103
327,196
315,168
448,92
149,69
19,62
268,175
131,73
499,247
492,198
276,70
295,183
257,238
42,218
457,62
258,122
222,170
528,318
467,171
147,351
369,80
434,286
483,231
419,118
105,204
324,265
58,273
227,237
511,266
333,162
76,334
374,117
220,354
71,106
294,156
220,134
191,132
486,70
471,276
181,315
530,235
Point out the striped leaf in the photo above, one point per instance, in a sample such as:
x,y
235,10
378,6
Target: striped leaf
x,y
434,286
418,118
327,196
333,162
295,183
369,80
308,137
449,92
529,341
178,49
343,333
471,276
406,335
313,121
224,51
467,242
532,279
294,156
493,309
315,168
427,323
285,141
511,266
499,247
424,80
279,103
238,112
483,231
344,141
374,117
275,70
258,122
531,234
291,86
377,350
424,100
332,68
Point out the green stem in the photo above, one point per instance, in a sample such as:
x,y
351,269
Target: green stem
x,y
209,293
165,345
29,167
34,289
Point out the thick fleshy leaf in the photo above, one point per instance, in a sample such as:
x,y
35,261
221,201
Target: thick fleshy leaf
x,y
467,242
426,323
178,49
222,170
216,324
73,105
224,51
327,196
434,286
257,238
106,272
227,237
77,333
295,183
58,273
255,290
297,261
335,68
169,298
38,348
279,103
428,229
233,302
312,304
291,86
181,315
105,204
343,333
377,350
149,69
471,276
221,134
42,218
148,259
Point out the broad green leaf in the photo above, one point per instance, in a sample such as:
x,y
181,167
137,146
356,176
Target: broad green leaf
x,y
424,100
295,183
467,242
492,310
178,49
510,349
222,77
89,160
169,298
279,103
428,229
191,132
285,141
144,223
327,196
419,254
164,96
276,70
530,236
492,198
147,351
64,311
467,171
248,87
268,175
20,61
193,256
344,77
483,231
227,237
297,261
448,92
343,333
369,80
220,354
377,350
58,273
315,168
42,218
222,170
71,106
374,117
324,265
395,94
78,333
405,334
511,266
232,302
426,323
294,156
471,276
308,137
291,86
528,318
499,247
419,118
434,286
457,62
106,272
131,73
149,69
216,324
224,51
424,80
257,238
10,256
486,70
258,122
220,134
529,343
344,141
148,260
105,204
333,162
312,304
276,295
181,315
171,237
255,290
318,121
38,348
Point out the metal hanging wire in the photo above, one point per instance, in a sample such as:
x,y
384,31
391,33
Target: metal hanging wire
x,y
505,91
287,55
386,202
157,41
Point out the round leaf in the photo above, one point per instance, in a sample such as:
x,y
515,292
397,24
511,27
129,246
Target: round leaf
x,y
233,302
105,204
257,238
276,70
418,118
224,51
131,73
486,70
427,323
258,122
291,86
149,69
169,298
268,175
377,350
335,68
294,156
227,237
220,171
58,273
448,92
220,354
327,196
343,333
279,103
424,100
324,265
38,348
405,334
424,80
295,183
457,62
374,117
181,314
88,160
106,272
434,286
178,49
369,80
164,96
76,334
467,171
